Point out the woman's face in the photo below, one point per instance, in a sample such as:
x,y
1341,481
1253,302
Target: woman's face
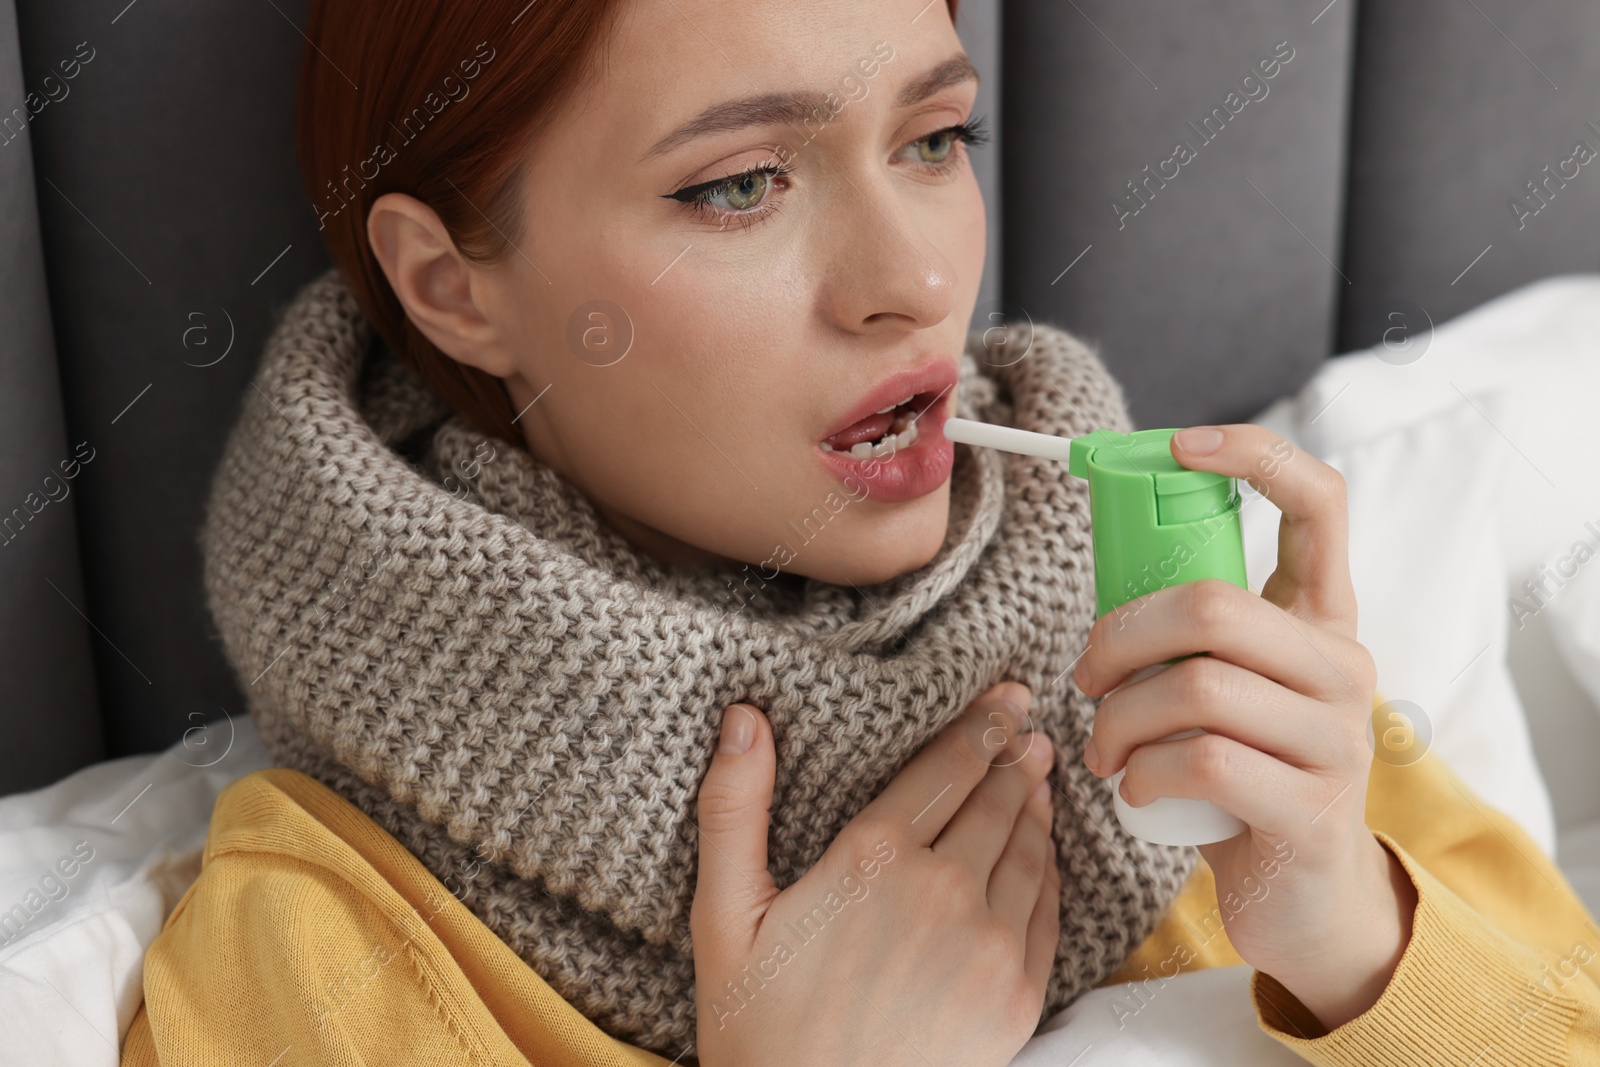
x,y
755,228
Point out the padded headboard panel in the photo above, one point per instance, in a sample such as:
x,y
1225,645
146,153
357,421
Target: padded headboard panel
x,y
1220,247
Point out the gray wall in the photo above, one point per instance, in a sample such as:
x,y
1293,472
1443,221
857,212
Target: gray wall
x,y
1377,166
1458,106
163,185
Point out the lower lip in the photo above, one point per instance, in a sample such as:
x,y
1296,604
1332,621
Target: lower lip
x,y
905,474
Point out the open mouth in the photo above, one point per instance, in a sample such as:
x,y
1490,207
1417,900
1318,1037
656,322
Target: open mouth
x,y
883,432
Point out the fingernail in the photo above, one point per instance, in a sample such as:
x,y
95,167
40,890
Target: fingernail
x,y
1200,440
1038,747
1122,787
1081,676
1042,791
738,731
1091,757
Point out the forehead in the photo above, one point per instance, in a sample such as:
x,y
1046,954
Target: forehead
x,y
667,61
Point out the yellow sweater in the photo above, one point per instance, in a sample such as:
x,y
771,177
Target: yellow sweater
x,y
312,937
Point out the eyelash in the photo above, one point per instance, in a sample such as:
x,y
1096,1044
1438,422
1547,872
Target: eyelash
x,y
696,198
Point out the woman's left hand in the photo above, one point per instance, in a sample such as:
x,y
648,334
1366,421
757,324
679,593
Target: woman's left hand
x,y
1308,894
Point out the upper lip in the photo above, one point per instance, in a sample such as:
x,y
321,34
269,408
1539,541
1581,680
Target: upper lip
x,y
930,379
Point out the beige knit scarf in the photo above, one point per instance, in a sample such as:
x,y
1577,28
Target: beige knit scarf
x,y
444,631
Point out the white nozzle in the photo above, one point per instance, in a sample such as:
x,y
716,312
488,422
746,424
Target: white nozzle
x,y
1007,439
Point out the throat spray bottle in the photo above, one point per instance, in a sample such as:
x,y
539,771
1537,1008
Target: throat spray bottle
x,y
1155,523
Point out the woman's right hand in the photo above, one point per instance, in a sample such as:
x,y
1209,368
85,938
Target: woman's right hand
x,y
924,934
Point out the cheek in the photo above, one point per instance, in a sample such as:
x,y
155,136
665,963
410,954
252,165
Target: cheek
x,y
972,236
665,399
733,375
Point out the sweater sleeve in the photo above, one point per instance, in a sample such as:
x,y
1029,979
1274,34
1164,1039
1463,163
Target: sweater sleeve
x,y
1501,965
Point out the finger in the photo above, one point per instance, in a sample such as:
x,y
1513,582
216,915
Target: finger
x,y
934,784
1044,926
1234,624
1221,698
734,886
1313,575
1019,872
1274,798
980,829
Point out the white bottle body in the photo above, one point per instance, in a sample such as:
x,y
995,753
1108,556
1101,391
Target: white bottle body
x,y
1172,820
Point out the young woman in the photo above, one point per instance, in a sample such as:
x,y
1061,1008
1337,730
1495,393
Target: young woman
x,y
648,672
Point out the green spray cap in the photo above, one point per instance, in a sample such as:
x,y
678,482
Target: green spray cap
x,y
1155,523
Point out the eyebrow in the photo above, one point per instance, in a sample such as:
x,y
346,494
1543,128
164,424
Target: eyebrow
x,y
793,108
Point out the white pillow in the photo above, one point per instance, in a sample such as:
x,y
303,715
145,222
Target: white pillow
x,y
1427,563
1575,617
90,867
1199,1019
1526,367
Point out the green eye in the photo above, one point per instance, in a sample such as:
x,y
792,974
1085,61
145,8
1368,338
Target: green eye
x,y
937,145
746,190
935,148
744,194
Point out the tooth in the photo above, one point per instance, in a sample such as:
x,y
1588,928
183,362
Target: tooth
x,y
826,447
885,411
881,449
862,450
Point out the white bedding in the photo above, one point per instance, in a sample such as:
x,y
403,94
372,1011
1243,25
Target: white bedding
x,y
1467,469
70,973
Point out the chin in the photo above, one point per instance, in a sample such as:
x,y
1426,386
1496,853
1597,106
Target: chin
x,y
878,551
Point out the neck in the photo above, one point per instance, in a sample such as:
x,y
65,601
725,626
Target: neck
x,y
660,546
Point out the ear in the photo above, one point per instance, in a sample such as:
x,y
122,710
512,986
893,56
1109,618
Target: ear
x,y
445,295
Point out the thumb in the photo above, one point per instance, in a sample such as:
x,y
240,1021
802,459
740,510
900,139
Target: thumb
x,y
734,886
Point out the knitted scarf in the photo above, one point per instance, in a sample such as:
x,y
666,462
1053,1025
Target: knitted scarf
x,y
444,631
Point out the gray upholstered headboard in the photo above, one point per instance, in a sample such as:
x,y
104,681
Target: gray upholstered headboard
x,y
1367,163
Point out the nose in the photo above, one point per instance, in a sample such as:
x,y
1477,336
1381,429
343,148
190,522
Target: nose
x,y
884,270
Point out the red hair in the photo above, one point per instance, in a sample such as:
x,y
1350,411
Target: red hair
x,y
441,102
